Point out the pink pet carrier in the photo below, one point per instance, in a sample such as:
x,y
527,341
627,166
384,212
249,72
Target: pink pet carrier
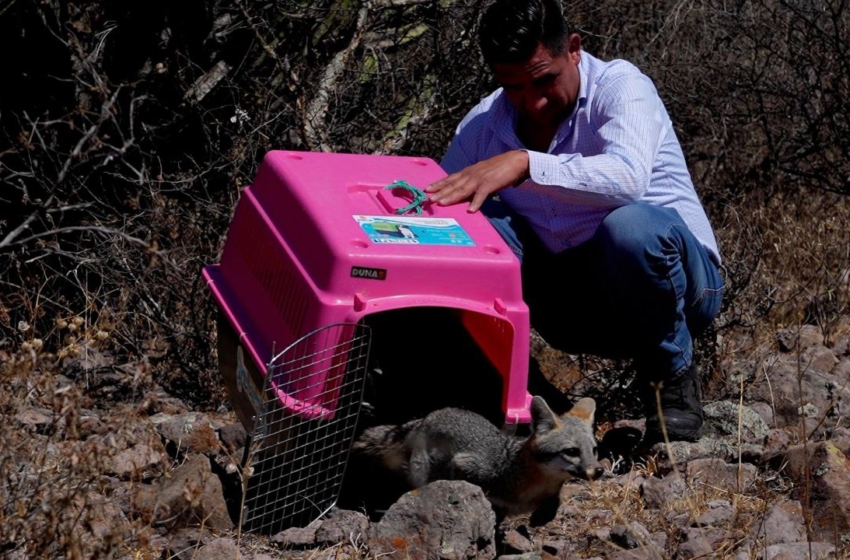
x,y
321,241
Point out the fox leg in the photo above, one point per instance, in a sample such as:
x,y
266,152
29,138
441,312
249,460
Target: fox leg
x,y
419,464
466,466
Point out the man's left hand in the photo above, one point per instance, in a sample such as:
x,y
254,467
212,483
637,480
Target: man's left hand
x,y
480,180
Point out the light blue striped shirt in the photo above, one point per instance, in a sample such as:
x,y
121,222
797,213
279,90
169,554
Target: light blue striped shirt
x,y
618,146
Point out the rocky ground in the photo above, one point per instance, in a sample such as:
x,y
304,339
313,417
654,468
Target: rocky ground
x,y
98,462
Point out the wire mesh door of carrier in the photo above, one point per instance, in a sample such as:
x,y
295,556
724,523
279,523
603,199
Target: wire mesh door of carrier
x,y
296,458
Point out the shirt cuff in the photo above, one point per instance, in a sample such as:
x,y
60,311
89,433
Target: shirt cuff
x,y
543,168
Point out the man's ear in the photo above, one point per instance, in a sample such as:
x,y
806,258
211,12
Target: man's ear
x,y
584,410
542,417
573,47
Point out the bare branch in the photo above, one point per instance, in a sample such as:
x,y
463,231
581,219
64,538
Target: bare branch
x,y
314,115
63,173
208,81
418,110
98,229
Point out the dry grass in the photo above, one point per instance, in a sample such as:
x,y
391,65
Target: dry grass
x,y
51,479
55,471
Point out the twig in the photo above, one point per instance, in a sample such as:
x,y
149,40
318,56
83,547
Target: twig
x,y
807,473
105,114
98,229
740,477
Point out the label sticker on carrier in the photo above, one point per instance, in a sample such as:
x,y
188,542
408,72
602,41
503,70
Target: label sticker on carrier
x,y
414,231
245,384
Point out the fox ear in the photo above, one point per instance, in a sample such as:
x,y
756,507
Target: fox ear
x,y
584,409
542,417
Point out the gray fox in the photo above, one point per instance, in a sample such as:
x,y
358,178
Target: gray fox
x,y
517,474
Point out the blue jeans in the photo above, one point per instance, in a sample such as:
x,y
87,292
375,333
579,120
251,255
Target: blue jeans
x,y
642,287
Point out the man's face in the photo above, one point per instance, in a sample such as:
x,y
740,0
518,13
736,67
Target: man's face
x,y
544,88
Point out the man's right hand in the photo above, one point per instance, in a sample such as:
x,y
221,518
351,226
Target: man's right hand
x,y
480,180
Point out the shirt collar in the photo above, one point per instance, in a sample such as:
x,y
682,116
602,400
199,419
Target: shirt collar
x,y
582,74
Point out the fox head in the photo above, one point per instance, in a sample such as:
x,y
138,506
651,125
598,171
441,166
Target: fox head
x,y
565,444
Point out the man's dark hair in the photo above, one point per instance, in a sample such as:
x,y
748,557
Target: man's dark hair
x,y
512,29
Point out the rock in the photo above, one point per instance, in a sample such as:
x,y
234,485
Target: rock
x,y
89,423
777,442
722,419
233,436
138,462
342,525
719,513
795,551
841,438
514,542
702,542
184,544
192,495
105,518
630,536
298,536
629,480
716,473
553,549
658,493
42,420
187,433
839,339
158,401
659,539
602,533
829,482
819,358
784,523
778,386
678,518
841,346
842,370
764,411
89,361
799,338
220,549
642,553
445,520
724,448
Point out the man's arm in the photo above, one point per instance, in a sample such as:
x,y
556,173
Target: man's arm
x,y
630,122
470,176
630,125
481,179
